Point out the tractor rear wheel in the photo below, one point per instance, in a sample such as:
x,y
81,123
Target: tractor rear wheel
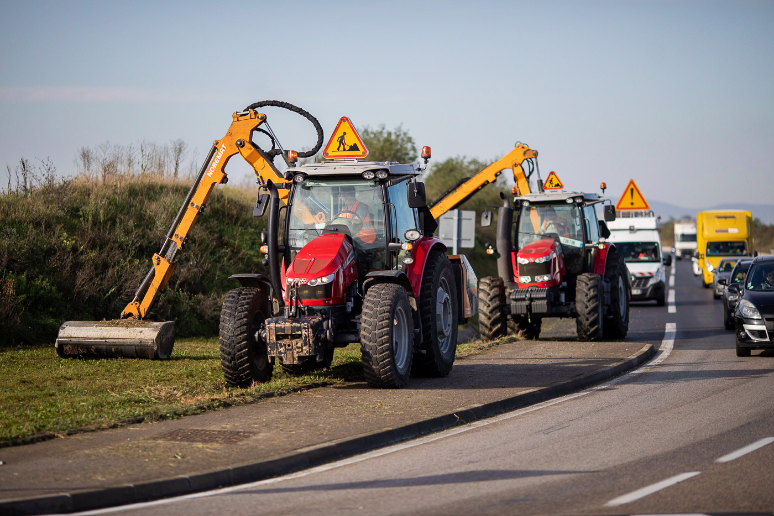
x,y
492,322
588,303
617,321
386,336
243,359
437,306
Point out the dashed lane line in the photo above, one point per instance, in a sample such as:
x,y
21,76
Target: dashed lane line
x,y
648,490
671,308
747,449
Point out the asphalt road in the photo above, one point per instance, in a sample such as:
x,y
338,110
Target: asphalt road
x,y
668,438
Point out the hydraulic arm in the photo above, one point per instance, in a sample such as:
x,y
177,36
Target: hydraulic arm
x,y
465,189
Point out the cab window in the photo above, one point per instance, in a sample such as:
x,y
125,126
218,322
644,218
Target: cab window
x,y
401,217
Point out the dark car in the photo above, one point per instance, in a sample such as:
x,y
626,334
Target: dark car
x,y
723,272
734,283
755,311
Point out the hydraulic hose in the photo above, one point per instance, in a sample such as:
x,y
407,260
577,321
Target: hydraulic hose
x,y
290,107
273,235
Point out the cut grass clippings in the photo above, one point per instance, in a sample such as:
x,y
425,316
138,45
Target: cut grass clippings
x,y
42,395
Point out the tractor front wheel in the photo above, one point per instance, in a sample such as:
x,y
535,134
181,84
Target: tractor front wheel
x,y
386,336
588,303
243,358
492,322
617,321
438,312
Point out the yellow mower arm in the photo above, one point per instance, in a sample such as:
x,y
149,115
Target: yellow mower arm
x,y
236,141
461,193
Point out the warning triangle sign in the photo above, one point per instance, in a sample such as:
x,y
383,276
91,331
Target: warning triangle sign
x,y
345,142
632,198
553,182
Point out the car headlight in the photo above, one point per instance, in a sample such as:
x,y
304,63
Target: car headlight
x,y
323,280
655,279
543,278
525,279
521,260
710,268
544,259
748,310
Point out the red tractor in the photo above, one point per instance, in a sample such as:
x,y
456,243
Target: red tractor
x,y
554,261
351,258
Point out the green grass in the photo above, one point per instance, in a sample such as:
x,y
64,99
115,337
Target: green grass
x,y
41,393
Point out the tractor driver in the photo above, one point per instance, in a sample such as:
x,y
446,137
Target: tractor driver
x,y
553,224
357,214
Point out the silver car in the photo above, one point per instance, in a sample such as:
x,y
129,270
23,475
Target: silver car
x,y
723,271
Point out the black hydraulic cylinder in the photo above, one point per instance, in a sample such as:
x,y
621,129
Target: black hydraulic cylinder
x,y
273,236
504,241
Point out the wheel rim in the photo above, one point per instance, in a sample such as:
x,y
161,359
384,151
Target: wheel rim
x,y
400,338
621,297
443,316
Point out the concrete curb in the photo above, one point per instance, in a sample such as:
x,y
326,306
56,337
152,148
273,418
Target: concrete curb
x,y
309,457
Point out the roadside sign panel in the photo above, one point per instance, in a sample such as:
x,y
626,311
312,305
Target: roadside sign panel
x,y
345,142
553,182
632,198
457,229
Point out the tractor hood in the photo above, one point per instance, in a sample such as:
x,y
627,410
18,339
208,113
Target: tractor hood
x,y
323,269
539,249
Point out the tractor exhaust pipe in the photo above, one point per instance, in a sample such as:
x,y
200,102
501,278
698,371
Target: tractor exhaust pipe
x,y
504,242
273,235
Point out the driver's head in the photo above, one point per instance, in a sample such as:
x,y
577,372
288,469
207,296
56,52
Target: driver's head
x,y
770,277
550,214
348,196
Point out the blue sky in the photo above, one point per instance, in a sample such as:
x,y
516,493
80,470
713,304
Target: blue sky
x,y
678,95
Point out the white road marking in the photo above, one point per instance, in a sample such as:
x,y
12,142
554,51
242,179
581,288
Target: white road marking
x,y
671,308
747,449
672,280
653,488
663,352
672,272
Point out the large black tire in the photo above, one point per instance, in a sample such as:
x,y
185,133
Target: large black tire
x,y
616,323
742,352
386,336
528,330
243,359
438,312
588,304
661,301
492,323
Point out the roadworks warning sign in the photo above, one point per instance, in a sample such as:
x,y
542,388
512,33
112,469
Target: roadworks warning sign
x,y
345,142
632,198
553,182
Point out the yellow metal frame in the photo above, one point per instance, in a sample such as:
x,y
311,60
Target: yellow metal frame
x,y
236,141
512,160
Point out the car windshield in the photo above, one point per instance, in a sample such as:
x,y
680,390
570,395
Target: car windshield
x,y
761,277
353,207
636,252
739,273
726,248
726,265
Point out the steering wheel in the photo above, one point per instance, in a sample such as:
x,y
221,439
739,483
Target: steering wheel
x,y
354,214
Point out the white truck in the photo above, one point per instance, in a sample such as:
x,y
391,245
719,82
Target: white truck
x,y
637,239
685,239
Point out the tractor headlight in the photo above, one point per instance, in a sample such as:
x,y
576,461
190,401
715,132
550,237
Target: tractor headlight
x,y
368,174
748,310
543,278
381,174
323,280
525,279
521,260
544,259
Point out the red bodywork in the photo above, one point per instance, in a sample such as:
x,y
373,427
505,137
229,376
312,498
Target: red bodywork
x,y
416,270
541,249
326,254
601,259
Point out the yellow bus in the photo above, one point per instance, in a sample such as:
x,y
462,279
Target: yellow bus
x,y
720,234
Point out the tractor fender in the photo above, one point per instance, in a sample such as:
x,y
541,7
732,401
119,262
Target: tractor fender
x,y
398,277
422,249
601,261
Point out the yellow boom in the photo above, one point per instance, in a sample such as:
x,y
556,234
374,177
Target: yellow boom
x,y
462,192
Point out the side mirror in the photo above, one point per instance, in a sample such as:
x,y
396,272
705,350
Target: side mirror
x,y
604,232
733,287
416,195
722,282
486,219
755,253
260,205
609,212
